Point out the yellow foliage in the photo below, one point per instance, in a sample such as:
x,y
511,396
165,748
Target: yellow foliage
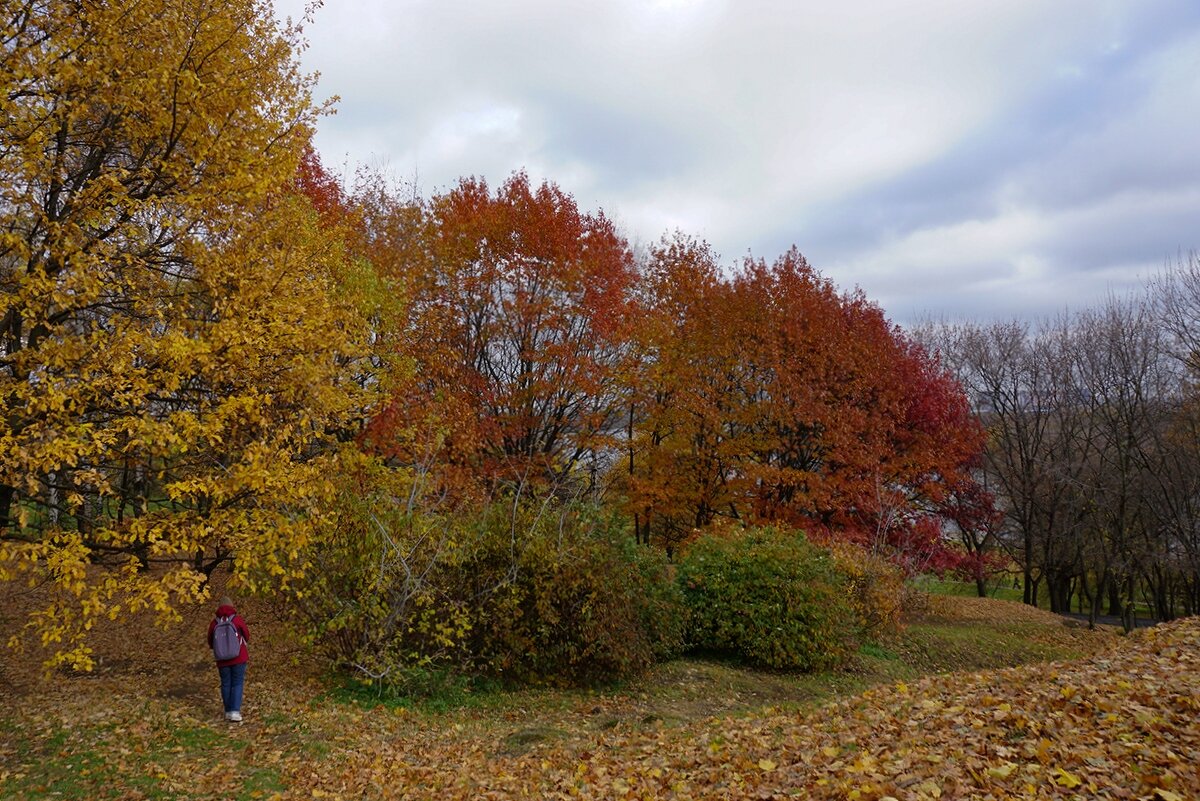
x,y
178,349
876,587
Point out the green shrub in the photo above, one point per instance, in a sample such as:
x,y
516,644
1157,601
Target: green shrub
x,y
659,600
769,597
526,593
576,602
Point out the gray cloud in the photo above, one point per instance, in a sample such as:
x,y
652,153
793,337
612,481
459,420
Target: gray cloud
x,y
992,157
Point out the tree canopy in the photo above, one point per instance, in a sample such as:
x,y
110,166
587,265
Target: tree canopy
x,y
202,328
177,346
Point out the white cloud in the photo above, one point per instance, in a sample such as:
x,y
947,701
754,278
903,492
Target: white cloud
x,y
1022,261
756,123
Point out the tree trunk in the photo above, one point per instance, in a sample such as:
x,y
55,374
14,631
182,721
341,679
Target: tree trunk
x,y
1086,593
1060,593
1128,618
1114,599
6,499
1030,594
1097,600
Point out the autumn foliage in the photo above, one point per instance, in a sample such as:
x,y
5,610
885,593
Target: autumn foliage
x,y
473,435
519,305
546,365
772,397
470,435
214,351
179,348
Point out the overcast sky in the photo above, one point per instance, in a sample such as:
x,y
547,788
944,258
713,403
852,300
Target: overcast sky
x,y
960,158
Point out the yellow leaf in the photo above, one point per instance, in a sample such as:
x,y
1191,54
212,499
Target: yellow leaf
x,y
1002,771
930,789
1167,795
831,751
766,764
1068,780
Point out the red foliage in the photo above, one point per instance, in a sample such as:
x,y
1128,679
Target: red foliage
x,y
322,189
764,397
518,309
770,397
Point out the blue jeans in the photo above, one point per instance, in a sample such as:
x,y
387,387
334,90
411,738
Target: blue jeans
x,y
233,678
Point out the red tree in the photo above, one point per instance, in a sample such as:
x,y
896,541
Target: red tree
x,y
518,306
770,397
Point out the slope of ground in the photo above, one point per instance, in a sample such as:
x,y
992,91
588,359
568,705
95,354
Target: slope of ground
x,y
1120,722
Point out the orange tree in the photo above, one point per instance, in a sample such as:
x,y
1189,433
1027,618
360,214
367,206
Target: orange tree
x,y
518,307
770,397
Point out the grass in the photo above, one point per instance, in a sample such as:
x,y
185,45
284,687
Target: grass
x,y
261,783
124,734
148,756
1002,589
428,691
937,648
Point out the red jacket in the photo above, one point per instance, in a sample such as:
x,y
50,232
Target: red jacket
x,y
243,632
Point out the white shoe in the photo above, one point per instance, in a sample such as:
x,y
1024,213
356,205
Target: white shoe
x,y
235,717
227,716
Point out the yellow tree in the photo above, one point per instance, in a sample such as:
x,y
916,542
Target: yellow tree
x,y
179,339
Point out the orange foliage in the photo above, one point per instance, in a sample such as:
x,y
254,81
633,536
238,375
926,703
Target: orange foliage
x,y
772,397
540,356
519,305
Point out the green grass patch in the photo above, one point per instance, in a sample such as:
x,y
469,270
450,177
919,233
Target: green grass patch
x,y
941,647
876,651
426,691
74,764
1003,590
261,783
195,738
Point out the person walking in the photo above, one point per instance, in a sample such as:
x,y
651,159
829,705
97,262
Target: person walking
x,y
228,636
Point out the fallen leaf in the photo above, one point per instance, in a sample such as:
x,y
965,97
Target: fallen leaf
x,y
1068,780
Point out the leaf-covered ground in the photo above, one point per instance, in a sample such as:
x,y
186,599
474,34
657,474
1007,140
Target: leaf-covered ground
x,y
1122,720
